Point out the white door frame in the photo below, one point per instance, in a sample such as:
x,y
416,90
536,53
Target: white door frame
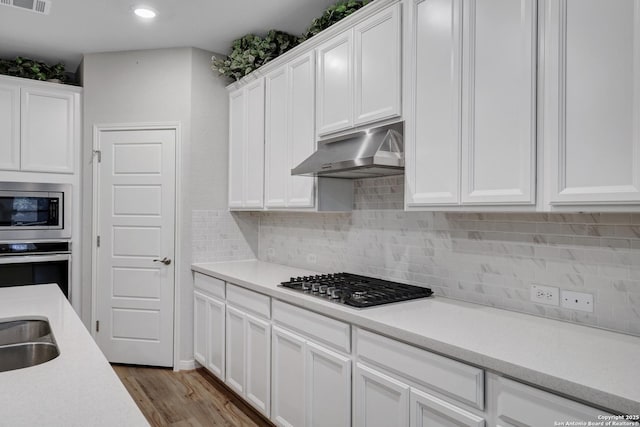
x,y
175,126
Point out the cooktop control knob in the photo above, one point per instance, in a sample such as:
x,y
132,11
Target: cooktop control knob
x,y
335,293
315,287
306,286
323,289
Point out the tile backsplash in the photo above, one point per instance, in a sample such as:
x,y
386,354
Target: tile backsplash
x,y
489,258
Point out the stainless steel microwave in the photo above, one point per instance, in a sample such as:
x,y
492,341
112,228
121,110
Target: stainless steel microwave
x,y
35,211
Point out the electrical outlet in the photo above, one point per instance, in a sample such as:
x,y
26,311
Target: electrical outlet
x,y
544,294
577,301
271,252
311,258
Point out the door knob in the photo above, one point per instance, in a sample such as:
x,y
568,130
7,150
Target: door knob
x,y
165,261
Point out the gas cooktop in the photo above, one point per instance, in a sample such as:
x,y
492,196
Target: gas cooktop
x,y
355,291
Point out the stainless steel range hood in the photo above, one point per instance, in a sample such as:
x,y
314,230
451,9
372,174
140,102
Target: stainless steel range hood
x,y
367,154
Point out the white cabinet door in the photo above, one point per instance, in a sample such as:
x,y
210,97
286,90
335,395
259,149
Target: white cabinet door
x,y
288,378
237,129
302,142
258,360
200,322
215,337
429,411
9,127
499,102
380,401
254,154
377,45
328,385
48,131
335,84
592,102
277,165
235,350
433,141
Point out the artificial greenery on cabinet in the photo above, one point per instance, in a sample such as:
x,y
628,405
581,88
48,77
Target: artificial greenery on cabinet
x,y
250,52
32,69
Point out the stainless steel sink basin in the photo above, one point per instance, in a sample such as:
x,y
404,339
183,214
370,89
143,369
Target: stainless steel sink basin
x,y
25,343
22,331
18,356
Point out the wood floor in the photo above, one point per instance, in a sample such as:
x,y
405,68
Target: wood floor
x,y
185,398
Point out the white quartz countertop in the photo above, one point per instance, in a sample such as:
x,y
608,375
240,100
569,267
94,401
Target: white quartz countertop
x,y
78,388
596,366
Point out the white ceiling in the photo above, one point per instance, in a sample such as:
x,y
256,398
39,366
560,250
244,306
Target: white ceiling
x,y
75,27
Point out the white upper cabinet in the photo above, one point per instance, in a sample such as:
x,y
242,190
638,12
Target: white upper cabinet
x,y
237,125
359,73
433,135
499,102
246,146
471,136
290,136
276,140
377,43
48,130
592,101
9,127
302,142
39,126
335,84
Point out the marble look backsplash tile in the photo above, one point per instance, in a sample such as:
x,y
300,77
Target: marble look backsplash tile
x,y
219,235
486,258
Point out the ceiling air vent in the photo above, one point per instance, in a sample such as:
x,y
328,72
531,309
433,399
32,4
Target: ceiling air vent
x,y
37,6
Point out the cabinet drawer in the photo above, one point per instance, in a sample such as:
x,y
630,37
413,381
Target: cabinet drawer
x,y
520,404
209,284
455,379
254,302
317,327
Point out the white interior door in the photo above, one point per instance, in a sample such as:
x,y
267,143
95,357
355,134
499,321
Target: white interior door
x,y
136,225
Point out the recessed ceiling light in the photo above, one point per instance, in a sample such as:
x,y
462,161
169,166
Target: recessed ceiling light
x,y
145,12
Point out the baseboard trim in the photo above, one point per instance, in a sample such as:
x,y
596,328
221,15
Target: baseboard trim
x,y
186,365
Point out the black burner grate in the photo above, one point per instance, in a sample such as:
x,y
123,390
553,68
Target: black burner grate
x,y
354,290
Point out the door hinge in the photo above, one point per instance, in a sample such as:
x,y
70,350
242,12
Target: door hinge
x,y
98,241
99,154
97,326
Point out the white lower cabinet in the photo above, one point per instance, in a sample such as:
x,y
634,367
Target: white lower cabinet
x,y
379,399
248,352
518,405
311,382
429,411
209,332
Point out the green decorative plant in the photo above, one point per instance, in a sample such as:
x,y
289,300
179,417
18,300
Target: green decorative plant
x,y
250,52
32,69
333,14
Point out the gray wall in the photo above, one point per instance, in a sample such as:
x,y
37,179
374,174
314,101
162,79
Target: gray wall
x,y
164,85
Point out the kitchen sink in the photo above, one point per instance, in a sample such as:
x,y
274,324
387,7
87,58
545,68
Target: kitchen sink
x,y
22,331
18,356
25,343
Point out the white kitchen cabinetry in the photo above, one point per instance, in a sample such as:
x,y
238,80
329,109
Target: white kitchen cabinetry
x,y
592,102
359,78
39,126
248,346
472,136
246,146
398,384
9,127
209,324
289,133
311,382
517,404
380,400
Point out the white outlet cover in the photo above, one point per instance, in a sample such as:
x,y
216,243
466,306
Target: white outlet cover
x,y
577,301
545,295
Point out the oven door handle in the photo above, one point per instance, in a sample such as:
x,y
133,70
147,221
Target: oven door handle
x,y
24,259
